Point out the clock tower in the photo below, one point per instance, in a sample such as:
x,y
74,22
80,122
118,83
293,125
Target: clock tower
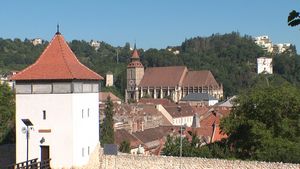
x,y
135,73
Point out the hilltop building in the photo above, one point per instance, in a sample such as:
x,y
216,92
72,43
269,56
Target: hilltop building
x,y
95,44
264,65
174,82
37,41
59,97
267,45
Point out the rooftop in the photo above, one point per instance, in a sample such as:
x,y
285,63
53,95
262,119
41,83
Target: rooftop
x,y
57,62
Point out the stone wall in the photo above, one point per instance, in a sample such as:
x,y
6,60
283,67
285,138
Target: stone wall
x,y
162,162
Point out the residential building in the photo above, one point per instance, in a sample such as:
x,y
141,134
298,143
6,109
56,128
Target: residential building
x,y
95,44
59,96
37,41
267,45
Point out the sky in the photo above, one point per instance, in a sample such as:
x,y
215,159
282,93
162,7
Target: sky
x,y
149,23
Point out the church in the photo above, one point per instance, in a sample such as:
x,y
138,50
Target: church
x,y
173,82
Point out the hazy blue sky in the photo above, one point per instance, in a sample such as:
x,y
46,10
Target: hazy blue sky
x,y
152,23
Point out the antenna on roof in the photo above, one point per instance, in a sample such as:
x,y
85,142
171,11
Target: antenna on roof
x,y
57,29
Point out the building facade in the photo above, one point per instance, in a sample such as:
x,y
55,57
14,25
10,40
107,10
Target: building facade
x,y
59,96
172,82
264,65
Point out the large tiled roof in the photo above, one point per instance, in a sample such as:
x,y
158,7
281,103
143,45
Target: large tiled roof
x,y
200,78
123,135
154,101
153,134
57,62
186,110
163,76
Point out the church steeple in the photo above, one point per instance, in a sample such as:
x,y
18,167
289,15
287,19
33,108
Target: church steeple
x,y
135,59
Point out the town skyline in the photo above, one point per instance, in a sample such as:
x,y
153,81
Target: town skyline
x,y
151,25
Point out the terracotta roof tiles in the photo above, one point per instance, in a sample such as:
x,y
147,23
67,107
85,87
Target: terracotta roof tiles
x,y
163,76
57,62
200,78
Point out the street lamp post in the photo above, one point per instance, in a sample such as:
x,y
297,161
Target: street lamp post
x,y
180,151
28,123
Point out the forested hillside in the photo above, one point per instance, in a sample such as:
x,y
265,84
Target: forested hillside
x,y
231,57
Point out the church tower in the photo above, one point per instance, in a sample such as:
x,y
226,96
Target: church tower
x,y
135,73
59,96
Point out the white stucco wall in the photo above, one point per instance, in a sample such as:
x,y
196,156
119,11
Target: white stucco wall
x,y
69,131
264,65
212,102
187,120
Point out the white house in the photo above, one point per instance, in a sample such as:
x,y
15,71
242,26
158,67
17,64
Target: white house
x,y
59,95
264,65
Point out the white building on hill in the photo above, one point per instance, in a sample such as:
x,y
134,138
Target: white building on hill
x,y
59,95
264,65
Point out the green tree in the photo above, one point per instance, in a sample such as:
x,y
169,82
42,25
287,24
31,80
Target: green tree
x,y
7,115
107,129
265,124
124,147
294,18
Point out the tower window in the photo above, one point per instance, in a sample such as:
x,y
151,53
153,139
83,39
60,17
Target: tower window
x,y
82,113
88,112
82,152
88,150
44,114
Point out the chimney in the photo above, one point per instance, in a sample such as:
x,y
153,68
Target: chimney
x,y
196,121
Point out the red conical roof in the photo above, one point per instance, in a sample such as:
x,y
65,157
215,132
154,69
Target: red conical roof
x,y
135,60
135,54
57,62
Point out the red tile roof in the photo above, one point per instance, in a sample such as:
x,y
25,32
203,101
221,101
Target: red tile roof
x,y
135,60
200,78
135,54
123,135
153,134
154,101
209,127
57,62
163,76
104,95
186,110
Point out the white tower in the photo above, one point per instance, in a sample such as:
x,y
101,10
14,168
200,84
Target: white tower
x,y
264,65
109,80
59,96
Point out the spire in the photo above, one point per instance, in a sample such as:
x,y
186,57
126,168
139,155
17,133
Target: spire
x,y
134,45
135,59
57,29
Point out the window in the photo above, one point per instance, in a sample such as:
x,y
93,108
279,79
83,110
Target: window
x,y
82,152
82,113
88,150
44,114
88,112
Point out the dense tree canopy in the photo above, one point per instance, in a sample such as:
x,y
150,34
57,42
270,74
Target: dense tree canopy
x,y
107,129
265,124
294,18
7,114
231,58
